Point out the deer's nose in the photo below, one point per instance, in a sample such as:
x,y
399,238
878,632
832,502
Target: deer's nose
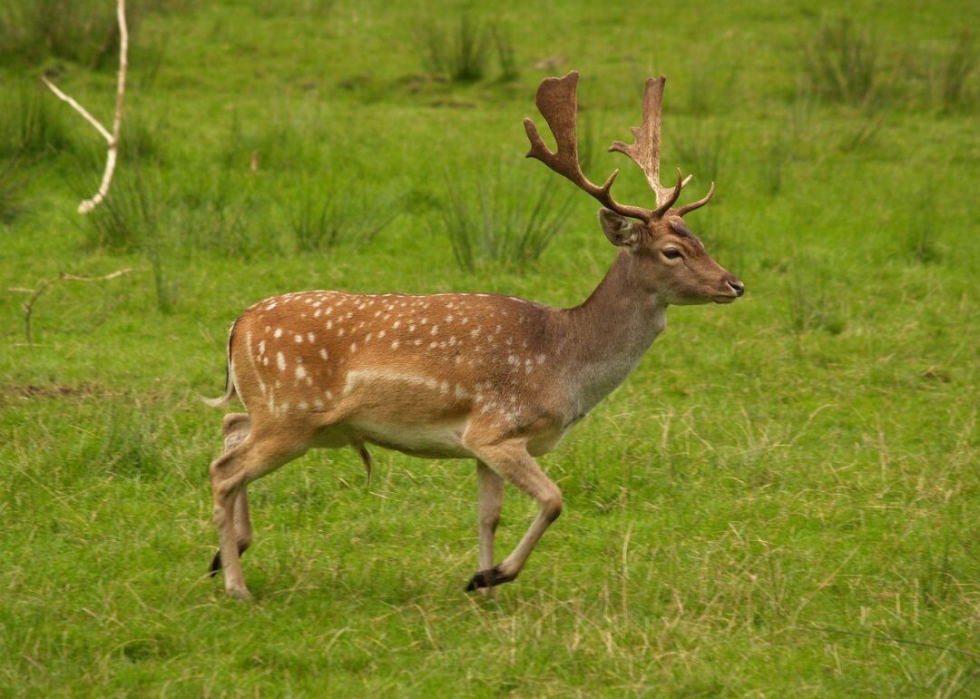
x,y
737,286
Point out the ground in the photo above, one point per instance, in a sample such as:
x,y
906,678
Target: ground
x,y
781,501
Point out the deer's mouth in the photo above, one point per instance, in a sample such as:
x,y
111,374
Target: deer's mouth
x,y
724,298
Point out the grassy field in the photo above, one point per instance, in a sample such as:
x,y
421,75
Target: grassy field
x,y
782,501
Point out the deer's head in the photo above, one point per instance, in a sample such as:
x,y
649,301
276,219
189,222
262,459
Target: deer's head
x,y
668,259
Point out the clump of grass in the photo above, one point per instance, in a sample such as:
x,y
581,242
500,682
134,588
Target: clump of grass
x,y
507,218
701,152
709,89
85,32
460,53
33,122
128,214
129,219
776,156
82,31
320,220
921,236
506,55
15,176
862,131
287,139
811,305
956,70
124,446
842,63
783,145
217,208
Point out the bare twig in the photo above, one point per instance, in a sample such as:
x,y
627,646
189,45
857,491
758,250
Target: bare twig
x,y
43,286
111,138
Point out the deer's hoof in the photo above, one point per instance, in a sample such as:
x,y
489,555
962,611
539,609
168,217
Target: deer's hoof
x,y
215,564
240,593
216,561
488,578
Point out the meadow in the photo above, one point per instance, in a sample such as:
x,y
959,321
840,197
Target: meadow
x,y
782,501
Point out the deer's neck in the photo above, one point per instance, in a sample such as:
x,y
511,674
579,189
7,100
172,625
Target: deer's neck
x,y
609,333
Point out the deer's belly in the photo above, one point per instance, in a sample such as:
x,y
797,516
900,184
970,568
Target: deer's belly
x,y
443,440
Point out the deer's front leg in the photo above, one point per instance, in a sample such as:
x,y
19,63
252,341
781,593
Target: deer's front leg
x,y
512,461
490,488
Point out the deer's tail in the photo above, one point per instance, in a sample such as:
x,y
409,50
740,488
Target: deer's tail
x,y
230,391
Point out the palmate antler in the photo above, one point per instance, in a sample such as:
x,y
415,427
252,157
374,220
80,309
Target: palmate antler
x,y
557,101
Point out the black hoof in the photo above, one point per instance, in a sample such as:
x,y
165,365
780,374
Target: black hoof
x,y
216,561
215,564
488,578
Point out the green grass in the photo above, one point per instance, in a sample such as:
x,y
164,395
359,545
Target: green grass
x,y
781,502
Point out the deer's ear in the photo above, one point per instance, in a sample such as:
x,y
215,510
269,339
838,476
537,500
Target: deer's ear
x,y
618,229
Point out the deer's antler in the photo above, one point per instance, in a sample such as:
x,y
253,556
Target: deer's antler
x,y
558,103
645,152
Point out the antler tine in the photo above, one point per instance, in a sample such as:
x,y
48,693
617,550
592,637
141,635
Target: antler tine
x,y
672,195
687,208
557,100
645,151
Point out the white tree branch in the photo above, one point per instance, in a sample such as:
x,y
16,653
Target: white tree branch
x,y
111,138
78,108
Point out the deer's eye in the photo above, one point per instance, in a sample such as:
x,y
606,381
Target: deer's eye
x,y
672,253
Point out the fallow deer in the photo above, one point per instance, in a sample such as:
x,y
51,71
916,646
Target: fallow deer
x,y
482,376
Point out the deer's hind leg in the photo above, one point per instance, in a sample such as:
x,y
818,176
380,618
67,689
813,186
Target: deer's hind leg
x,y
256,455
235,428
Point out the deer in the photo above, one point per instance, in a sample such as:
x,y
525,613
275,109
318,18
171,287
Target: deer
x,y
489,377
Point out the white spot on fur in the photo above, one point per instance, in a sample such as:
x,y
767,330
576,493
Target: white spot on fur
x,y
278,333
298,339
310,337
280,361
300,372
323,354
394,345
